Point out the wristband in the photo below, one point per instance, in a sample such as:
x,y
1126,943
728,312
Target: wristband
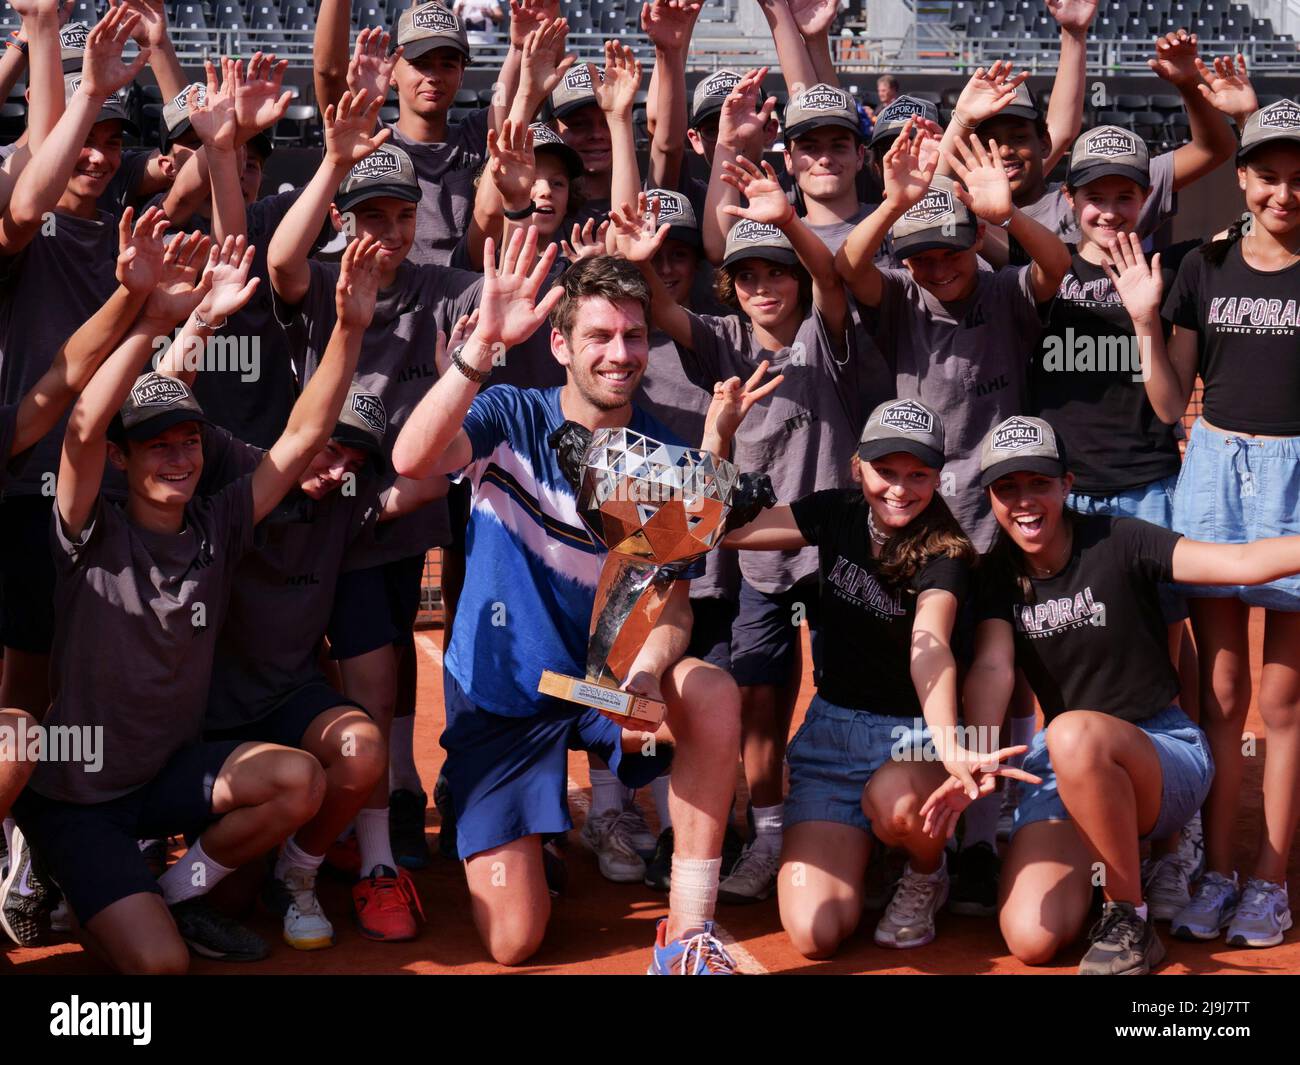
x,y
522,213
1006,222
16,42
214,326
477,376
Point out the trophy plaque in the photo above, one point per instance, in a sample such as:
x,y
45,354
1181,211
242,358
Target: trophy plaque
x,y
657,508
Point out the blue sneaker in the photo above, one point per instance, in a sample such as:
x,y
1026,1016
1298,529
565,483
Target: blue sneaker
x,y
1262,916
698,953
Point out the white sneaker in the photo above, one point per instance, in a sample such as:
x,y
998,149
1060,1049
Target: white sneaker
x,y
1166,888
643,840
305,925
1262,916
609,835
753,878
909,919
1191,848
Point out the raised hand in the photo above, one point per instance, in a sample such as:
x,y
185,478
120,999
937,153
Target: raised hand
x,y
974,772
544,60
358,284
214,119
185,281
987,93
372,66
731,402
988,189
259,103
1228,87
151,30
348,125
102,69
229,286
1073,16
1175,59
617,92
140,250
908,166
1140,285
460,332
508,310
636,236
767,200
743,121
585,243
529,15
512,167
814,17
669,23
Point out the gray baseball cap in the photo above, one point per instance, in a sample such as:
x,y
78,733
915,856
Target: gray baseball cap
x,y
113,109
821,105
903,425
424,27
72,45
388,171
1277,122
676,210
1021,443
574,91
940,220
154,404
1024,104
894,115
546,139
757,240
362,423
710,93
1109,151
176,113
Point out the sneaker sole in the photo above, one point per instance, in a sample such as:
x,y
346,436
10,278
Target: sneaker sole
x,y
375,938
893,944
214,955
1259,944
12,873
1192,935
309,944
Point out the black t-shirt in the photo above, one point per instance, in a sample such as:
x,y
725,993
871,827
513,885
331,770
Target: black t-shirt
x,y
1094,638
866,624
1086,380
1248,323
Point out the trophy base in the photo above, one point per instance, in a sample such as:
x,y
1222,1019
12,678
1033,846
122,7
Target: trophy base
x,y
626,708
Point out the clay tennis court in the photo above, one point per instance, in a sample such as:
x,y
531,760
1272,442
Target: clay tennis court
x,y
599,927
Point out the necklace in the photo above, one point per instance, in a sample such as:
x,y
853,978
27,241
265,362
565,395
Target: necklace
x,y
1285,266
877,536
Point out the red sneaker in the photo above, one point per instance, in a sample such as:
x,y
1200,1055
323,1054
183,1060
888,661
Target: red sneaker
x,y
385,904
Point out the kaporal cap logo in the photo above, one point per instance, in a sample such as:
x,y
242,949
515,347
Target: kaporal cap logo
x,y
719,84
543,134
158,391
370,409
937,203
901,110
824,98
200,99
578,77
1015,434
907,417
380,164
1110,143
73,35
752,232
670,204
1281,115
434,17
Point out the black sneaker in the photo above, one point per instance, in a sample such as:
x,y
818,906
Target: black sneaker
x,y
975,893
659,869
1122,944
27,896
447,813
732,848
211,934
406,828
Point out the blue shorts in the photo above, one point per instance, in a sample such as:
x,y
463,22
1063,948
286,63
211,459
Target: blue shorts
x,y
375,607
1186,770
712,619
509,776
1235,490
764,640
288,722
92,851
834,754
1152,502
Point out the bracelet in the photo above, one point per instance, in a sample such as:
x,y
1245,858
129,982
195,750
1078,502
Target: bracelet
x,y
522,213
214,326
1006,222
964,125
477,376
16,42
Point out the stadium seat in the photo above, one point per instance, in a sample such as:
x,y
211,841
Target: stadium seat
x,y
466,98
189,17
1149,125
1112,118
486,96
1179,129
296,127
389,114
263,17
1132,102
1166,103
460,114
367,15
13,120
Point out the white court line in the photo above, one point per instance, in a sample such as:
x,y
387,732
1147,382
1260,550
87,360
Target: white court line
x,y
430,648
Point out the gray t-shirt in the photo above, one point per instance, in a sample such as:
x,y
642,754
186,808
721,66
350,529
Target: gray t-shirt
x,y
136,620
123,187
802,436
967,360
397,363
446,174
834,234
47,291
1052,210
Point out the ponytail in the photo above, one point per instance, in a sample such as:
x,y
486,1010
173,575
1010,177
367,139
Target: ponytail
x,y
1215,252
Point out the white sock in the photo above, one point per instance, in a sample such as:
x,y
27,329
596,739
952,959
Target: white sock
x,y
693,890
402,774
982,821
194,874
1022,734
372,838
607,792
292,854
659,789
939,874
768,823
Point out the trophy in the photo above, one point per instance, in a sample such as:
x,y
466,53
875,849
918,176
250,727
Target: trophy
x,y
657,508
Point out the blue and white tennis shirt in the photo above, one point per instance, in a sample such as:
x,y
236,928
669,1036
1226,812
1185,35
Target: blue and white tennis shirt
x,y
531,564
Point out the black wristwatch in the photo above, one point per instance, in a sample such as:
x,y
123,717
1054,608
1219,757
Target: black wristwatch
x,y
522,213
477,376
